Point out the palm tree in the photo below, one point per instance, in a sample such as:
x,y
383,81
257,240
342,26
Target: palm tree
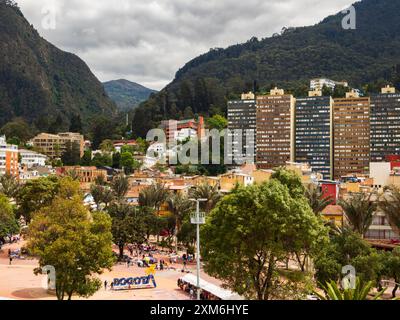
x,y
9,185
120,186
206,191
73,174
390,206
316,199
179,206
360,292
153,196
359,209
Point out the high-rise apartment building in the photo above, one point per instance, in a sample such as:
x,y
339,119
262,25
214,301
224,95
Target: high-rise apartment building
x,y
385,124
54,145
8,158
351,131
313,132
275,129
242,126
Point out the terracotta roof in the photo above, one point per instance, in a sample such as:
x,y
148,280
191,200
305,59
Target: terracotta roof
x,y
333,210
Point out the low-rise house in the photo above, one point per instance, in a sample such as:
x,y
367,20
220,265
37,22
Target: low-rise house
x,y
118,144
334,214
31,158
228,181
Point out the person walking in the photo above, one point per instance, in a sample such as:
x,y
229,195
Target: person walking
x,y
105,285
11,259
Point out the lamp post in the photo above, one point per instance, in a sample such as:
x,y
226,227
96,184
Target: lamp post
x,y
198,219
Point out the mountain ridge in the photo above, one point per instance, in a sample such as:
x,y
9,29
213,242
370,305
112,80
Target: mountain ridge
x,y
47,87
127,94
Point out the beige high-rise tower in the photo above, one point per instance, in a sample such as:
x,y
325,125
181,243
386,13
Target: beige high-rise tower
x,y
275,129
351,132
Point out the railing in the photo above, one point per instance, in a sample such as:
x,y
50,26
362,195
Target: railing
x,y
198,219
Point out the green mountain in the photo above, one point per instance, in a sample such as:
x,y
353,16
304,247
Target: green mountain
x,y
49,88
126,94
370,54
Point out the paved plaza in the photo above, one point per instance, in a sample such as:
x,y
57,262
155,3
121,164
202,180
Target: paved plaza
x,y
17,281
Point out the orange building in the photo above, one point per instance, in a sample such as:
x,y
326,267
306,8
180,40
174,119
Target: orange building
x,y
8,158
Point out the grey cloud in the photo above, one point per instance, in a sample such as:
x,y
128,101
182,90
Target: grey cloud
x,y
148,41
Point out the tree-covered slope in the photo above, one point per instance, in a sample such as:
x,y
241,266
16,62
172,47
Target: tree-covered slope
x,y
367,54
126,94
42,84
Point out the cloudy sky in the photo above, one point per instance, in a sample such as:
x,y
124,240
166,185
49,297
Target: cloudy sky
x,y
147,41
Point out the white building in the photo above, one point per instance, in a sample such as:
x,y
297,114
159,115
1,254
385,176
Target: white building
x,y
31,158
380,172
319,83
186,133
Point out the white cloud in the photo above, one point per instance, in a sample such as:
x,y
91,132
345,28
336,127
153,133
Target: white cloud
x,y
148,41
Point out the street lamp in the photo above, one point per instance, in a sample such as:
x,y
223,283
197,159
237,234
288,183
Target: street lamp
x,y
198,219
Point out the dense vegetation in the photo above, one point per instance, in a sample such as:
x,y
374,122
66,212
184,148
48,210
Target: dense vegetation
x,y
368,55
52,90
126,94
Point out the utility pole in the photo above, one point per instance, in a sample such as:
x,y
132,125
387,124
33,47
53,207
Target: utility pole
x,y
198,219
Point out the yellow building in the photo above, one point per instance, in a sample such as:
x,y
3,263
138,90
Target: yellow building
x,y
200,180
261,176
334,214
228,181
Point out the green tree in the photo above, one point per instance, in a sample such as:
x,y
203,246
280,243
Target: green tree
x,y
102,160
36,194
17,129
73,240
127,226
392,268
359,210
116,160
120,186
316,199
206,191
9,185
72,154
8,222
345,248
217,122
290,179
180,206
153,196
129,163
86,160
247,235
107,146
390,206
101,195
